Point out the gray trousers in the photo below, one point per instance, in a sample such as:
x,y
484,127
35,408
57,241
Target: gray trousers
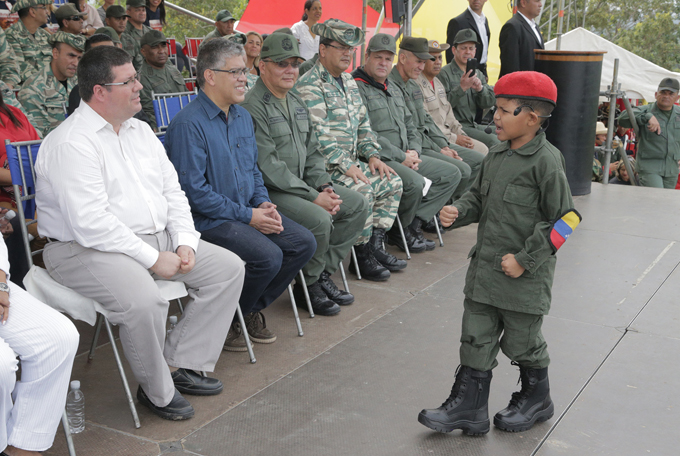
x,y
133,302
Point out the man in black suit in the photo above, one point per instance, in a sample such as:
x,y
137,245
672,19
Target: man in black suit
x,y
473,18
519,37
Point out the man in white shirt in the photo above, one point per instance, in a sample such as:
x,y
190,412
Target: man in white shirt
x,y
111,206
473,18
519,37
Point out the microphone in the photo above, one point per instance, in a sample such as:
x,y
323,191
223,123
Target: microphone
x,y
488,130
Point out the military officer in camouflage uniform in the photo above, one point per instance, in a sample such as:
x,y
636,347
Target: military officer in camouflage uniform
x,y
70,20
467,93
136,11
347,142
155,75
294,172
45,94
401,145
30,42
9,70
117,19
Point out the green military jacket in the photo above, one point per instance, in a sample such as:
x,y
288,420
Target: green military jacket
x,y
44,98
32,52
167,80
132,47
390,119
289,155
308,64
339,118
136,33
657,154
465,103
515,198
9,70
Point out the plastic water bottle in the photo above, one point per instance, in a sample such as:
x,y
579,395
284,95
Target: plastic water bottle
x,y
173,323
75,408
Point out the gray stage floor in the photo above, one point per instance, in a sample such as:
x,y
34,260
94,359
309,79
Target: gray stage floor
x,y
354,384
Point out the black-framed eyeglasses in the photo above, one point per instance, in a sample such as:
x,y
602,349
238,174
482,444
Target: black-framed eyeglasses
x,y
235,72
124,83
343,48
284,64
74,18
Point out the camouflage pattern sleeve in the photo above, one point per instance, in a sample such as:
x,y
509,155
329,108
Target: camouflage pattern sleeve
x,y
9,70
44,98
32,100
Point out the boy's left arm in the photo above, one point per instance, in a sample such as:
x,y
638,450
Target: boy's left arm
x,y
554,202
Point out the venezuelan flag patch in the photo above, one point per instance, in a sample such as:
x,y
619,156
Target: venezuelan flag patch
x,y
563,227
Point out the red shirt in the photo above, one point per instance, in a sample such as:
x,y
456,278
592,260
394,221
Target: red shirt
x,y
9,131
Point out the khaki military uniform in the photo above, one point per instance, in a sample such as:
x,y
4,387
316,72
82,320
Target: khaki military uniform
x,y
439,108
658,155
466,103
344,133
9,70
32,52
167,80
392,122
292,166
44,98
515,199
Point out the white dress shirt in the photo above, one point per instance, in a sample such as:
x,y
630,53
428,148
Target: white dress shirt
x,y
532,24
101,189
480,20
308,45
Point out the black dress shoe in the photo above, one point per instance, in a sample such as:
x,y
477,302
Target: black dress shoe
x,y
178,408
188,381
333,293
417,232
414,245
321,305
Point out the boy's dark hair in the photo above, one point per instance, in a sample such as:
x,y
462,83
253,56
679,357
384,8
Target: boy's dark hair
x,y
540,107
96,68
96,38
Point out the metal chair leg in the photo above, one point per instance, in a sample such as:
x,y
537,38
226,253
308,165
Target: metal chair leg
x,y
403,237
97,331
439,233
245,334
119,363
295,311
344,277
356,263
304,290
67,432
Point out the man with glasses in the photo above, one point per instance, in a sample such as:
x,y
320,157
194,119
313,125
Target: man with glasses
x,y
116,219
294,172
349,146
69,19
155,75
117,19
212,144
28,40
45,94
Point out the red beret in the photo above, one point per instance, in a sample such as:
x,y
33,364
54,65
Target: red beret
x,y
527,85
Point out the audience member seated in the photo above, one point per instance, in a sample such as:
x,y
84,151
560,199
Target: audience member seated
x,y
212,144
224,26
622,177
437,105
348,144
28,40
468,92
45,94
46,342
102,9
136,11
70,20
117,19
309,41
253,48
9,70
91,20
294,172
155,18
119,220
155,75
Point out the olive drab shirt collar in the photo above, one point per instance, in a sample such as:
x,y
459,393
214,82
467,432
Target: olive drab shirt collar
x,y
529,148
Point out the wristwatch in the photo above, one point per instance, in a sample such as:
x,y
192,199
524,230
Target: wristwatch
x,y
4,287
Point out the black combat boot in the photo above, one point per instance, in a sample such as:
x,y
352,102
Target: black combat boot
x,y
466,408
368,266
528,406
416,230
321,305
430,227
414,245
388,260
335,294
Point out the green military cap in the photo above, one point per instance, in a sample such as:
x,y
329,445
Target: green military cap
x,y
67,10
382,42
418,46
153,38
669,84
285,30
116,11
280,46
23,4
75,41
237,37
465,36
224,16
436,46
135,3
110,32
339,31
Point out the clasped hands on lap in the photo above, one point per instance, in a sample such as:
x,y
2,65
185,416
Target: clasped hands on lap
x,y
170,263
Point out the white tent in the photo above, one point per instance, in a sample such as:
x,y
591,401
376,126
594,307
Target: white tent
x,y
638,77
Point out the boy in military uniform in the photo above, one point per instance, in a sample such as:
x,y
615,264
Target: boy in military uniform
x,y
522,202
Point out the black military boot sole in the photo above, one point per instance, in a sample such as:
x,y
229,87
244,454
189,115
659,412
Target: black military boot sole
x,y
537,417
468,427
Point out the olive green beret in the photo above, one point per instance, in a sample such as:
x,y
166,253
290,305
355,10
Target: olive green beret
x,y
340,31
75,41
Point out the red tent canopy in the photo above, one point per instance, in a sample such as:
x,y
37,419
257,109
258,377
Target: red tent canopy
x,y
265,16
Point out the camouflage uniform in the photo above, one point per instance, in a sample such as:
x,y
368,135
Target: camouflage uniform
x,y
32,52
251,80
341,124
9,70
167,80
44,98
10,99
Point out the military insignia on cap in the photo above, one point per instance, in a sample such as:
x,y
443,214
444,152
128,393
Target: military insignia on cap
x,y
435,44
385,40
349,34
287,44
265,48
468,33
267,97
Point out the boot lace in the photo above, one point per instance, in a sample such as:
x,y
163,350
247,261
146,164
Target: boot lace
x,y
525,391
455,390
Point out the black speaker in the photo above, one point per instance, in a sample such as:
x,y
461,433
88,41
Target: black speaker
x,y
395,9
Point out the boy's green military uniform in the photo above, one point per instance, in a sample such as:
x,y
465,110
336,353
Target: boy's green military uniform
x,y
32,52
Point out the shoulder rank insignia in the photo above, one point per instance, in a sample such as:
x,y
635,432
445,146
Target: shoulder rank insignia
x,y
562,228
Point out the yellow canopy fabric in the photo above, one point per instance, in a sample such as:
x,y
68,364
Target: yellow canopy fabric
x,y
433,17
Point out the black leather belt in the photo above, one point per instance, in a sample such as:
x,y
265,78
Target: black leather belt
x,y
49,239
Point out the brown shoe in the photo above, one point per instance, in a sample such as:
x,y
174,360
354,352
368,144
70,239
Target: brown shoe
x,y
235,342
257,329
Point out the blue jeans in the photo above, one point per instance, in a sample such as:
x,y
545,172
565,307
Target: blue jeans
x,y
272,260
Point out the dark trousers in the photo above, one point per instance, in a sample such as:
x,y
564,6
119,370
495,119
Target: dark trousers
x,y
272,260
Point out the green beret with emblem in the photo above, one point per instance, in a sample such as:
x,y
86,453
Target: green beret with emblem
x,y
382,42
75,41
280,46
465,36
418,46
108,31
340,31
23,4
153,38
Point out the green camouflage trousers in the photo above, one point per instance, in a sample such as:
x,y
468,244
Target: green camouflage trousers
x,y
383,197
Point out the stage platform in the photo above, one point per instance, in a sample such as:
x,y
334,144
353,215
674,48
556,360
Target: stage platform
x,y
354,384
